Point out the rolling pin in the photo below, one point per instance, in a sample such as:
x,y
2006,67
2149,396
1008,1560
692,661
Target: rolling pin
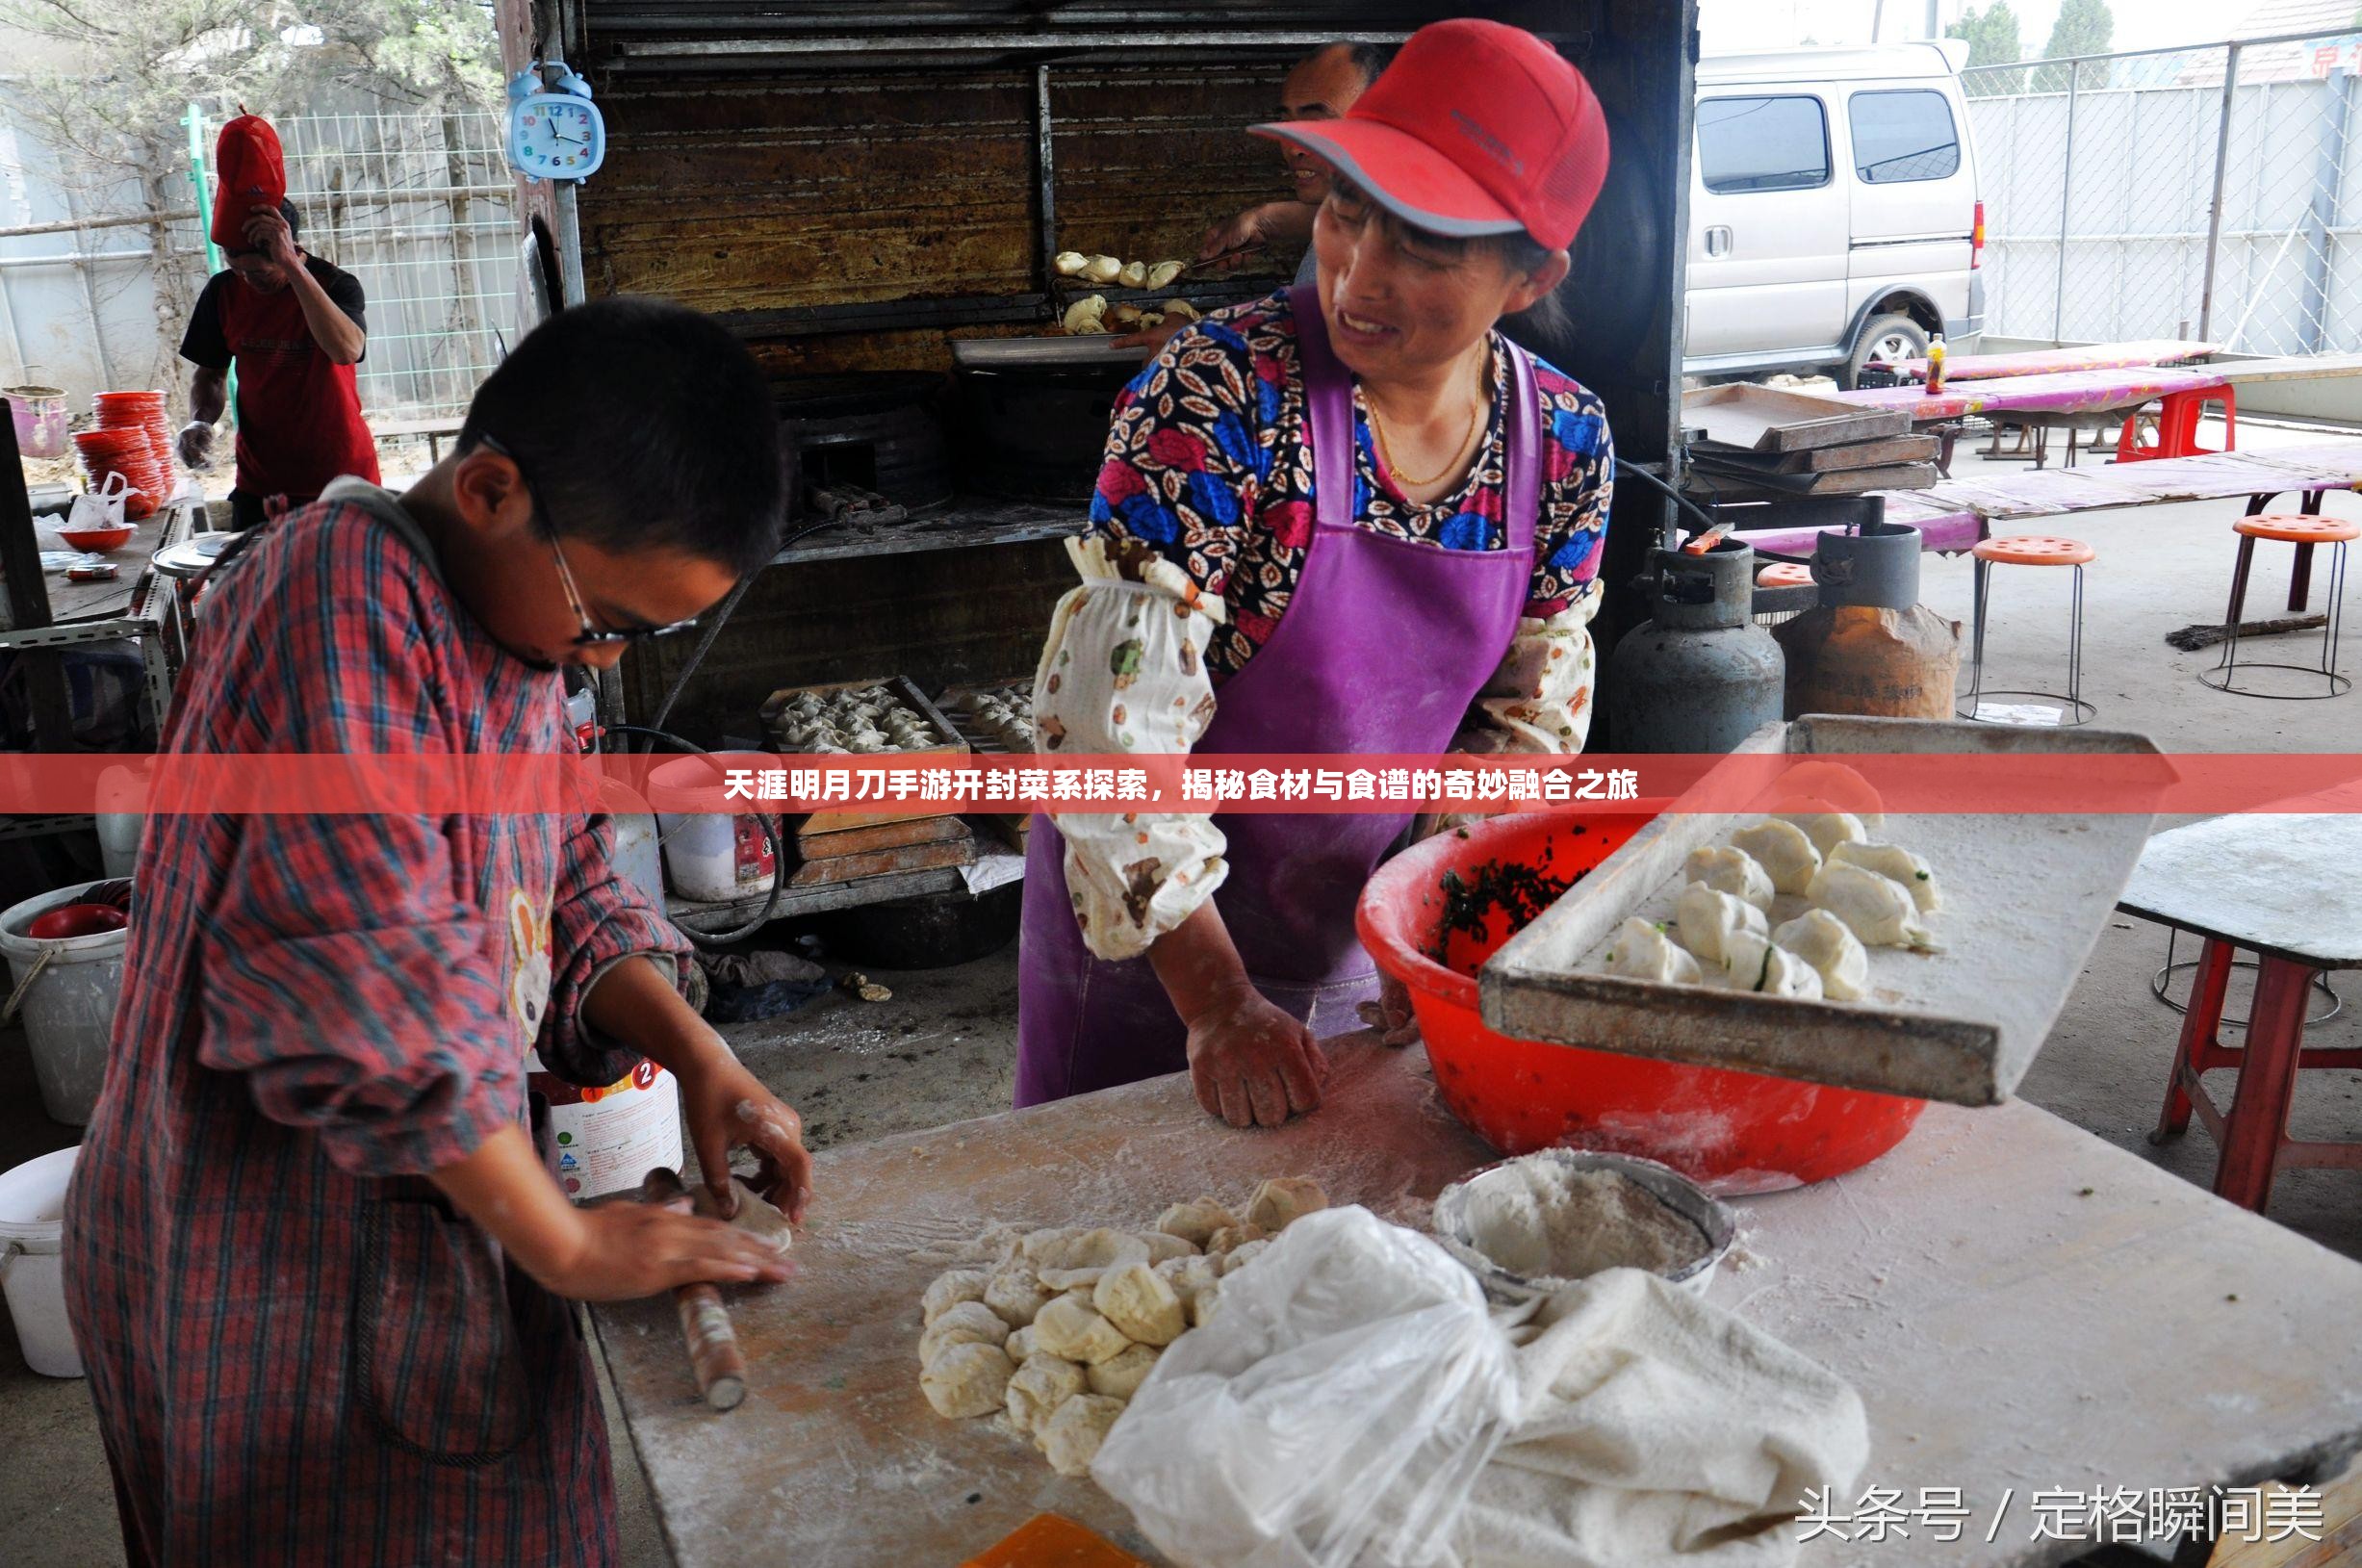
x,y
715,1357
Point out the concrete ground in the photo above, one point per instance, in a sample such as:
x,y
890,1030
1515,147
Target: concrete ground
x,y
942,1048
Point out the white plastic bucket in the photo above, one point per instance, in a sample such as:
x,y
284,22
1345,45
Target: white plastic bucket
x,y
68,1009
715,857
609,1139
32,1234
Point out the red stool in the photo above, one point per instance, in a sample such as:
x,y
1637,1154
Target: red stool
x,y
2177,426
2305,532
2253,1137
1785,575
2032,550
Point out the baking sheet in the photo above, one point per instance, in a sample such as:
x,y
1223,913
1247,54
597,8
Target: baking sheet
x,y
2025,896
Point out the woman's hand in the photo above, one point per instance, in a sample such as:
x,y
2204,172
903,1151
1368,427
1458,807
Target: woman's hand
x,y
726,1108
1253,1064
623,1250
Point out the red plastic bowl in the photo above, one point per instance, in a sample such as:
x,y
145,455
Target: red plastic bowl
x,y
1732,1132
96,538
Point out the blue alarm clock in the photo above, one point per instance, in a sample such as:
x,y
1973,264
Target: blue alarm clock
x,y
555,131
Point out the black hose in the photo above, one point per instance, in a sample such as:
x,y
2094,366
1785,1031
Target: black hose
x,y
1705,520
770,828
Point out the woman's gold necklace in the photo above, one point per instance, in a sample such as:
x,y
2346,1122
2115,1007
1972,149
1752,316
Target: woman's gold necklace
x,y
1452,465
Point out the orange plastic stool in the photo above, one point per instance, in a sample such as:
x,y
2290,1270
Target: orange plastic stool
x,y
2177,426
1785,575
2304,532
2032,550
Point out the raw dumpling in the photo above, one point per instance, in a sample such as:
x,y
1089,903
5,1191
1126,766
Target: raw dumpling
x,y
951,1289
1072,1436
1282,1201
1876,907
1163,272
1016,1294
1043,1384
1121,1375
1819,786
1189,1276
1137,1300
1086,314
1707,918
1070,263
1230,1238
1020,1344
1194,1222
1732,871
1069,1328
1102,268
969,1323
1829,944
1163,1246
1080,1257
1896,865
968,1380
1754,962
1642,951
1784,852
1826,829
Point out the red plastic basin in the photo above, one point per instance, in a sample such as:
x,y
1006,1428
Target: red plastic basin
x,y
1732,1132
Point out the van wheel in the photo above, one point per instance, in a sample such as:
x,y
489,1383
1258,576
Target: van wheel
x,y
1888,338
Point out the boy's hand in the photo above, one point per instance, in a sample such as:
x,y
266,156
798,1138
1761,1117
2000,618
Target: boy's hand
x,y
623,1250
728,1108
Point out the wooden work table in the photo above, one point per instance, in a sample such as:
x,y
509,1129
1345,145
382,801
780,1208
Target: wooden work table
x,y
2021,1305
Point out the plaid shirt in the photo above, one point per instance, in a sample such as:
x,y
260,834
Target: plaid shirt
x,y
298,1351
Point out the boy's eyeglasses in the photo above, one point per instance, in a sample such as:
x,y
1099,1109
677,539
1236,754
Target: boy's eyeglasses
x,y
591,636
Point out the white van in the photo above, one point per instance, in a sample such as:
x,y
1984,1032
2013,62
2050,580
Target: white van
x,y
1834,215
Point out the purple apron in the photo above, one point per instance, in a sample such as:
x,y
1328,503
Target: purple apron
x,y
1333,680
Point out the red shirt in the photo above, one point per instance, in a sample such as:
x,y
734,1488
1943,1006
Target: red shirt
x,y
299,421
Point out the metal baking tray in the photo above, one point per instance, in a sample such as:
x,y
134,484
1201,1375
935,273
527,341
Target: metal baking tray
x,y
2025,898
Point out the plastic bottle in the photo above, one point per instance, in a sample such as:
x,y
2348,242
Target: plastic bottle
x,y
1935,364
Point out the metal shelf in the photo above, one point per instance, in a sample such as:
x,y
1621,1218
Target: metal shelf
x,y
967,525
833,895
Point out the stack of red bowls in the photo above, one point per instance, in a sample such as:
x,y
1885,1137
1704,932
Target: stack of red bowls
x,y
121,450
123,410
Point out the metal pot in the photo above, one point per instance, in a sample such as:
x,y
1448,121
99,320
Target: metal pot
x,y
39,414
1039,432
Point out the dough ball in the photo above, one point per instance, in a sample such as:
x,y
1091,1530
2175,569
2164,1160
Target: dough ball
x,y
969,1323
1001,1243
756,1215
1072,1436
1163,1247
1189,1276
1230,1238
1121,1375
1141,1305
1068,1328
1240,1256
1284,1199
1038,1243
1203,1303
951,1289
1016,1293
1194,1222
1020,1344
968,1380
1043,1384
1080,1257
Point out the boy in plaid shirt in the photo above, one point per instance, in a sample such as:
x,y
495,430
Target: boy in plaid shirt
x,y
319,1271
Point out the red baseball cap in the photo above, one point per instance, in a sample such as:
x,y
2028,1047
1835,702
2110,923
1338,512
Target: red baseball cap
x,y
1477,128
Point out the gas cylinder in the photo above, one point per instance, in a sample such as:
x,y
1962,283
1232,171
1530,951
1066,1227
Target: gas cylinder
x,y
1871,647
1699,675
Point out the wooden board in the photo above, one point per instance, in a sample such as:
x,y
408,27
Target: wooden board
x,y
1998,1289
2296,368
1903,448
828,845
2025,896
886,863
1765,419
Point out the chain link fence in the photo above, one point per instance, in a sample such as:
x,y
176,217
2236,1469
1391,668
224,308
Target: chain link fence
x,y
420,207
2213,193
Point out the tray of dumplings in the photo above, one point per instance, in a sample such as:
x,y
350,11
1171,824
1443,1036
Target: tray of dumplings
x,y
1824,939
996,719
859,718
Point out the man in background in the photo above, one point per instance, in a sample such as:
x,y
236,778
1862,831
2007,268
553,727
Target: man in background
x,y
294,327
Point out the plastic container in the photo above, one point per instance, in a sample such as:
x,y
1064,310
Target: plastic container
x,y
32,1236
69,1008
40,415
1731,1132
1463,1238
609,1138
713,857
122,790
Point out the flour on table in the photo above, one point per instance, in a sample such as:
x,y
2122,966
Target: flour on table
x,y
1575,1224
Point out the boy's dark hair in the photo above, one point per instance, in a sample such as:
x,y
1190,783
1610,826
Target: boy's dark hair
x,y
1371,60
640,424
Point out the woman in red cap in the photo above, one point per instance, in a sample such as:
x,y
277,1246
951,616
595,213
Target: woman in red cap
x,y
1348,518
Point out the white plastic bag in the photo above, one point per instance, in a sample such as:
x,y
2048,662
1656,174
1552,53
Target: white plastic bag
x,y
101,509
1335,1412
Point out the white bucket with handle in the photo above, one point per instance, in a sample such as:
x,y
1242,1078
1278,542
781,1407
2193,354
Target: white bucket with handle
x,y
32,1272
65,988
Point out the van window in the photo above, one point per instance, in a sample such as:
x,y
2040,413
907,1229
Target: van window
x,y
1763,144
1903,135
